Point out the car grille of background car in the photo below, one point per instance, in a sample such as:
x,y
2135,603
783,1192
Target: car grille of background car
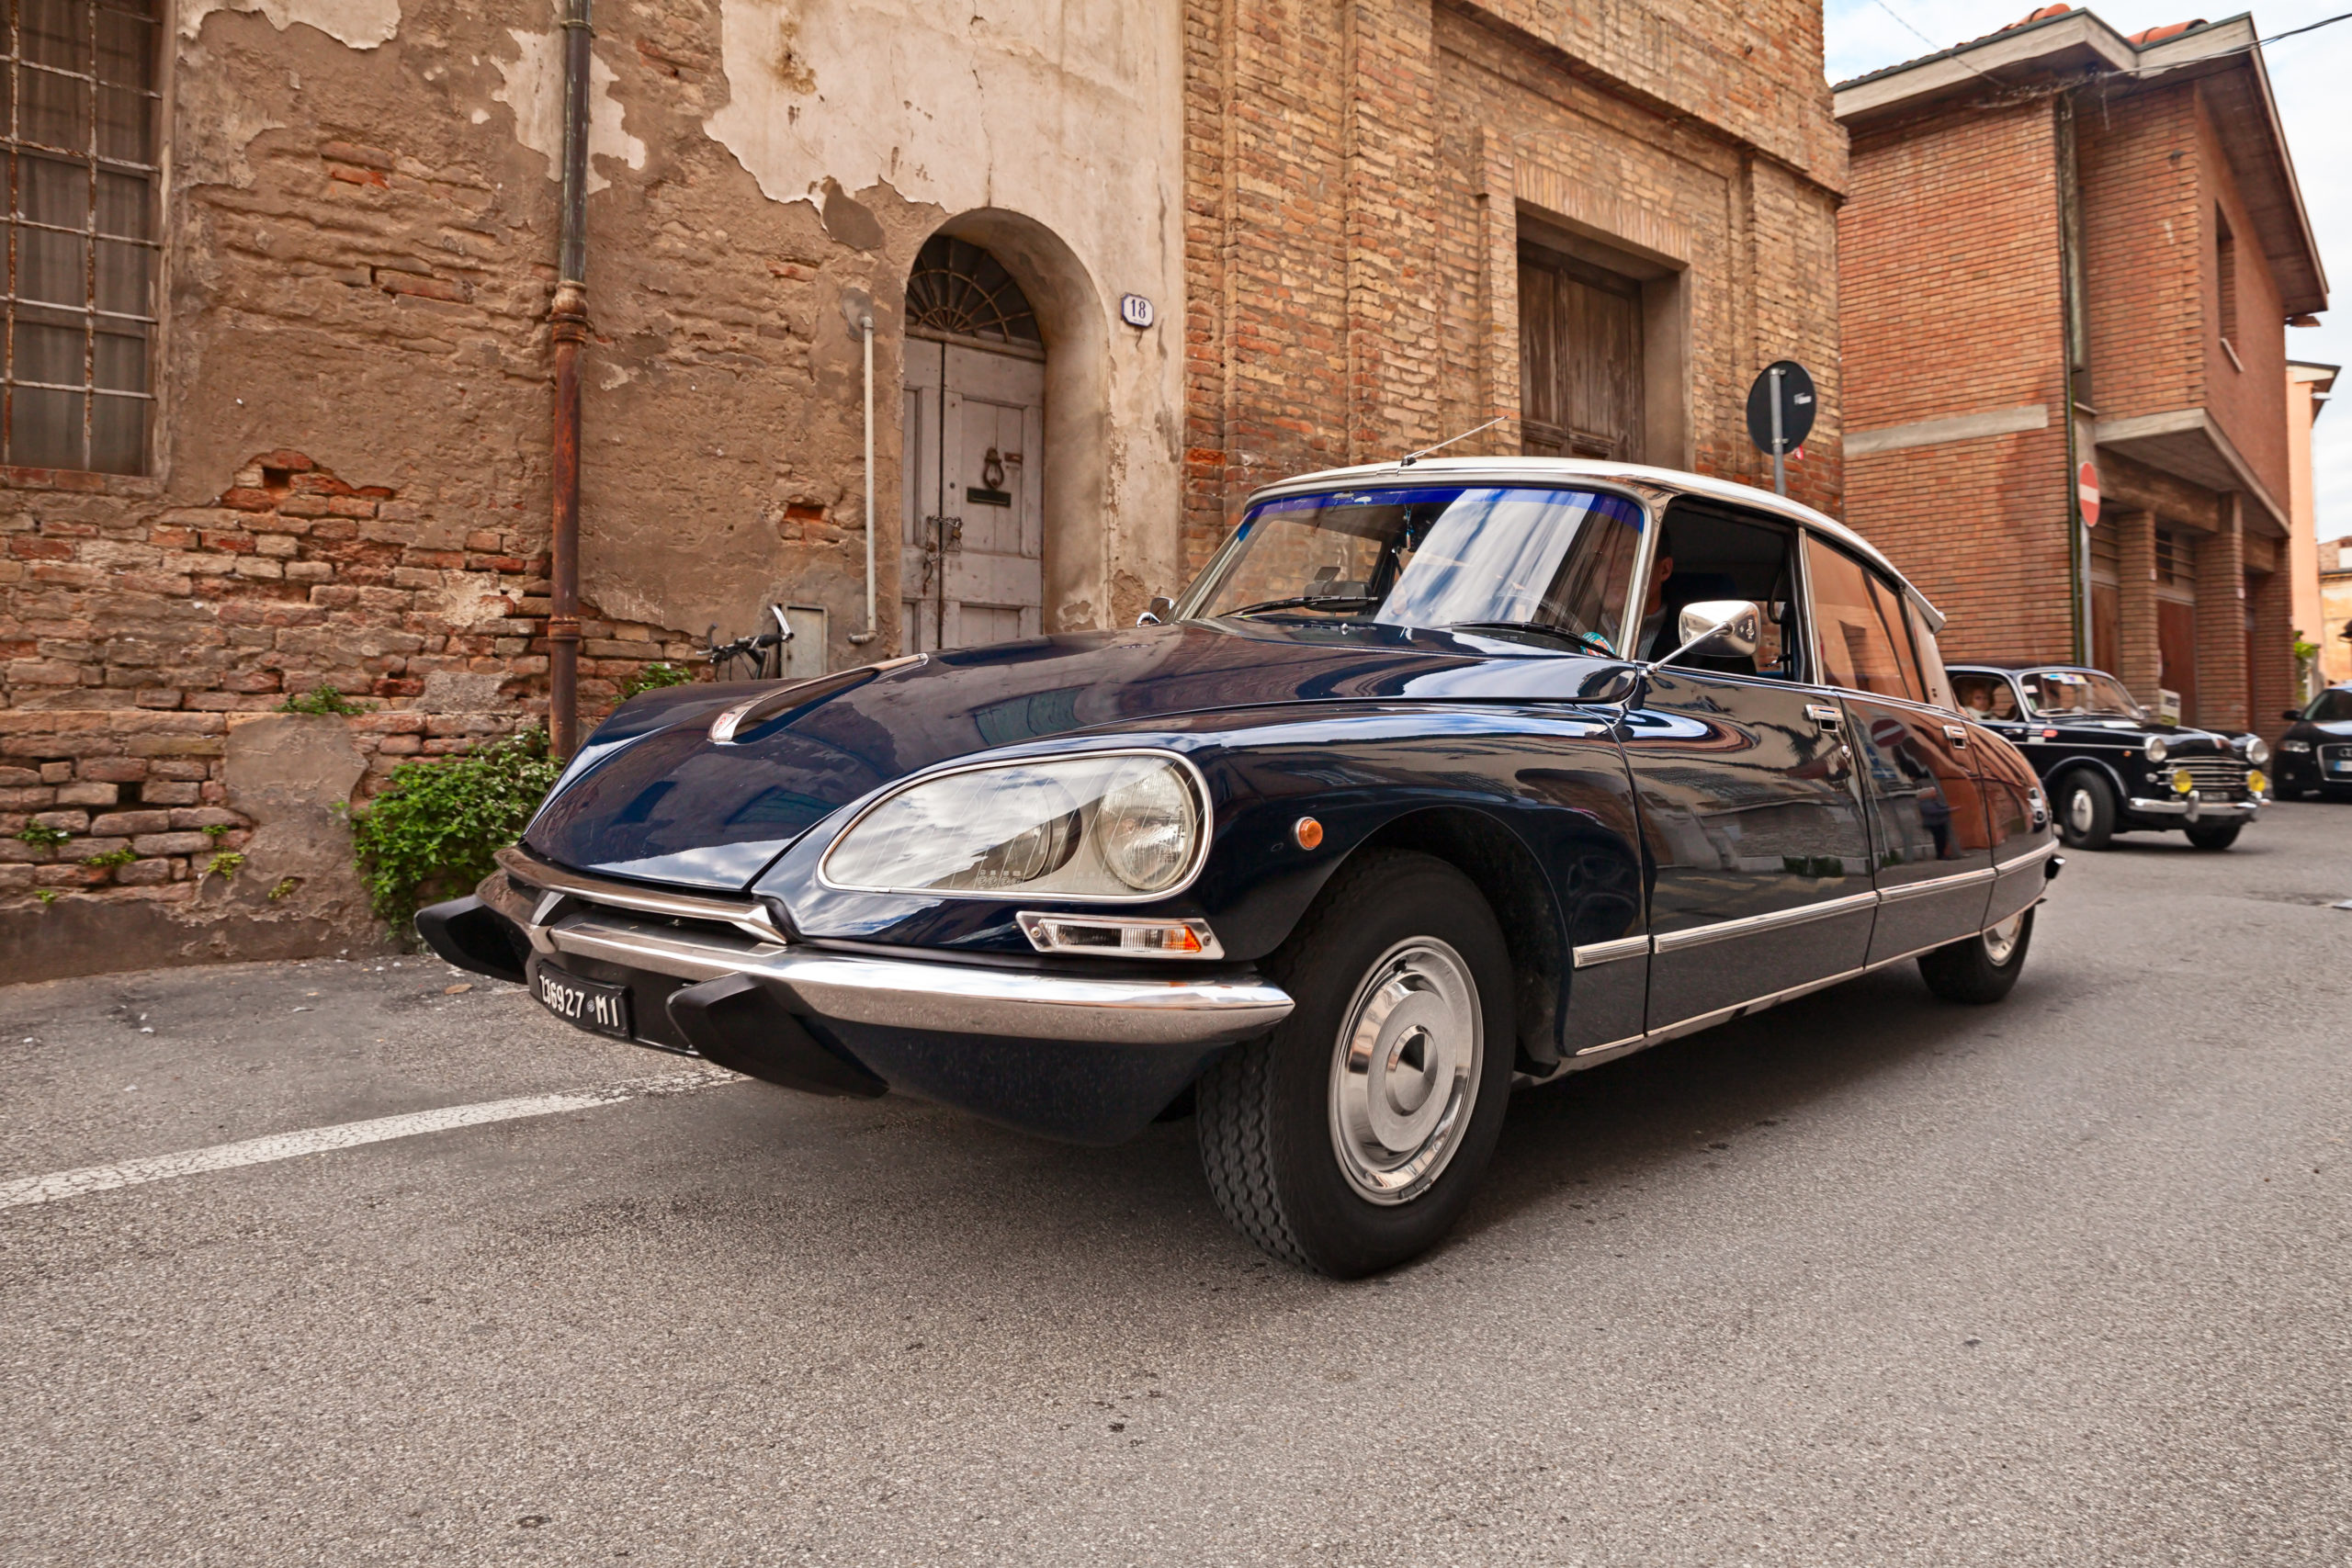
x,y
2217,777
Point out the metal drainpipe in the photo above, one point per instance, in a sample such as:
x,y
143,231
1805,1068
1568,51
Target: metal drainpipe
x,y
567,327
857,309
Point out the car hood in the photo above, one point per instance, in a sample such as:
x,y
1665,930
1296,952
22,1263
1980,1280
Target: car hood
x,y
2178,741
653,796
2312,729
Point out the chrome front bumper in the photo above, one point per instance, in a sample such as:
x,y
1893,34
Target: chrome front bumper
x,y
2192,808
695,938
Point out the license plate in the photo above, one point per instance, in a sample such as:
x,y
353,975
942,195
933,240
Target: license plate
x,y
588,1003
2341,766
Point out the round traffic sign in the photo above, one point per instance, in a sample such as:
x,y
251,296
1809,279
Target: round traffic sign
x,y
1786,382
2086,492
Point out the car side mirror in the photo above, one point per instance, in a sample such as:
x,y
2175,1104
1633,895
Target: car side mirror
x,y
1156,613
2293,716
1718,628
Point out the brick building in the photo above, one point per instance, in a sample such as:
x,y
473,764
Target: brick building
x,y
278,411
2065,246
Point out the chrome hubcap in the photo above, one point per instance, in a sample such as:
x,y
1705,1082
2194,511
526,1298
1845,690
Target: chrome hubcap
x,y
2002,939
2080,810
1405,1070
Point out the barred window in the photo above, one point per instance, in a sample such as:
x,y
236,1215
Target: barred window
x,y
78,109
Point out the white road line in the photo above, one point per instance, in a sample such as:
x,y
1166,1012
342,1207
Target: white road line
x,y
319,1140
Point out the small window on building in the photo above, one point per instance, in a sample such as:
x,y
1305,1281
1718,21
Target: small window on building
x,y
2226,280
79,126
2175,559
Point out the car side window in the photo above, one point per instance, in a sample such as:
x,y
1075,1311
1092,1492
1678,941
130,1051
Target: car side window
x,y
1985,696
1858,624
1704,554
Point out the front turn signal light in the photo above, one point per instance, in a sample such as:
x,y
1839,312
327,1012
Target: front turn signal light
x,y
2183,781
1119,938
2258,782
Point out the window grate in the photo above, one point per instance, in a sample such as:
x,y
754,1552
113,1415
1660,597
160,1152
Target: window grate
x,y
78,115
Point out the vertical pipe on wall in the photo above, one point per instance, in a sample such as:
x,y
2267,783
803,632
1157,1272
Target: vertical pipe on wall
x,y
568,329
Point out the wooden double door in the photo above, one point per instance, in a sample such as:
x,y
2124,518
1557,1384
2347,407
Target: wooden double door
x,y
1580,373
971,567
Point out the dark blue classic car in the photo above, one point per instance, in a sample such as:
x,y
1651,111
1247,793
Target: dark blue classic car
x,y
1444,777
2111,766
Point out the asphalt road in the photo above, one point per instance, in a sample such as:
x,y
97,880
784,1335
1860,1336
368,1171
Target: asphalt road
x,y
1865,1281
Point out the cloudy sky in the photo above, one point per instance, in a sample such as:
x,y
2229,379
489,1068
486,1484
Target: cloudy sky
x,y
1864,35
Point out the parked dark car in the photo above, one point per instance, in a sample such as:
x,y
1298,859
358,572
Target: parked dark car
x,y
1442,778
2110,766
2315,754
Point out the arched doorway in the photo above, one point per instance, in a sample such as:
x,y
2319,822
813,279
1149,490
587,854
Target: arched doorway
x,y
972,569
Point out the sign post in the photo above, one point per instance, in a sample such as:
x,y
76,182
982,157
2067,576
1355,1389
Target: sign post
x,y
1780,415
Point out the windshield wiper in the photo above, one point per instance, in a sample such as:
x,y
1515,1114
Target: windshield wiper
x,y
1589,640
1309,601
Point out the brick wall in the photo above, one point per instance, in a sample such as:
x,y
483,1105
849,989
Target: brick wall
x,y
1949,264
1350,203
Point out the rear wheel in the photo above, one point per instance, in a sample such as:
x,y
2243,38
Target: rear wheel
x,y
1349,1139
2086,809
1980,969
2214,835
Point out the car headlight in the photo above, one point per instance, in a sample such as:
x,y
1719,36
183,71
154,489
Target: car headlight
x,y
1112,825
2298,746
2258,750
2156,749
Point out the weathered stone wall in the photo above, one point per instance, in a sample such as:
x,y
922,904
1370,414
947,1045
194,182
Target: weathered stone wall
x,y
349,481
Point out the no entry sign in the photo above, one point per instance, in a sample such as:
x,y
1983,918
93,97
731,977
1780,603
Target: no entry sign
x,y
2086,492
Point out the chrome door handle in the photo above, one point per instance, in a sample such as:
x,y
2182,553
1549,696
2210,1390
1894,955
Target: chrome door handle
x,y
1956,733
1824,716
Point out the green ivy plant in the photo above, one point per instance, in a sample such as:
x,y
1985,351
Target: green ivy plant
x,y
225,865
108,862
46,894
216,832
322,699
436,825
653,677
42,836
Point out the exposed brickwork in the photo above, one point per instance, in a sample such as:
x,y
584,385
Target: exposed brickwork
x,y
1354,178
132,632
2142,658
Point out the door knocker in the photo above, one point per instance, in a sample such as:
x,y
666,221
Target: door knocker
x,y
992,470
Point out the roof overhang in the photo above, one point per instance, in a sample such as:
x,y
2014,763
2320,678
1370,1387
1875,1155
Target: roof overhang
x,y
2225,56
2188,445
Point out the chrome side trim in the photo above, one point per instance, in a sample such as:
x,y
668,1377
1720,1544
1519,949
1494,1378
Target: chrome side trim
x,y
1952,884
748,915
1751,925
951,999
1593,1056
2032,857
1594,953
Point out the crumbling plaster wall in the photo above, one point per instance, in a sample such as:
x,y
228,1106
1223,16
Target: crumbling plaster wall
x,y
350,480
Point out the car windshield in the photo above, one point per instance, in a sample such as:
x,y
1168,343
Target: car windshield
x,y
1541,564
2078,694
2331,706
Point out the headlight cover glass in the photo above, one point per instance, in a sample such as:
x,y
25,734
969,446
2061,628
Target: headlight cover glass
x,y
1115,825
2157,748
2257,751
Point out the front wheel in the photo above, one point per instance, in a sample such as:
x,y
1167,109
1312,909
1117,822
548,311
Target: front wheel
x,y
1980,969
2086,811
1349,1139
2213,835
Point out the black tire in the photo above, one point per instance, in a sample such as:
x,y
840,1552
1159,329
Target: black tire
x,y
1270,1112
1977,971
2086,811
2213,835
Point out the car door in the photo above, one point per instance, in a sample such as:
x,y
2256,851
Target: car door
x,y
1756,858
1930,841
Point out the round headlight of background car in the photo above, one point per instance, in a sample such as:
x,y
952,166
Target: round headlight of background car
x,y
2156,749
1107,826
2258,750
